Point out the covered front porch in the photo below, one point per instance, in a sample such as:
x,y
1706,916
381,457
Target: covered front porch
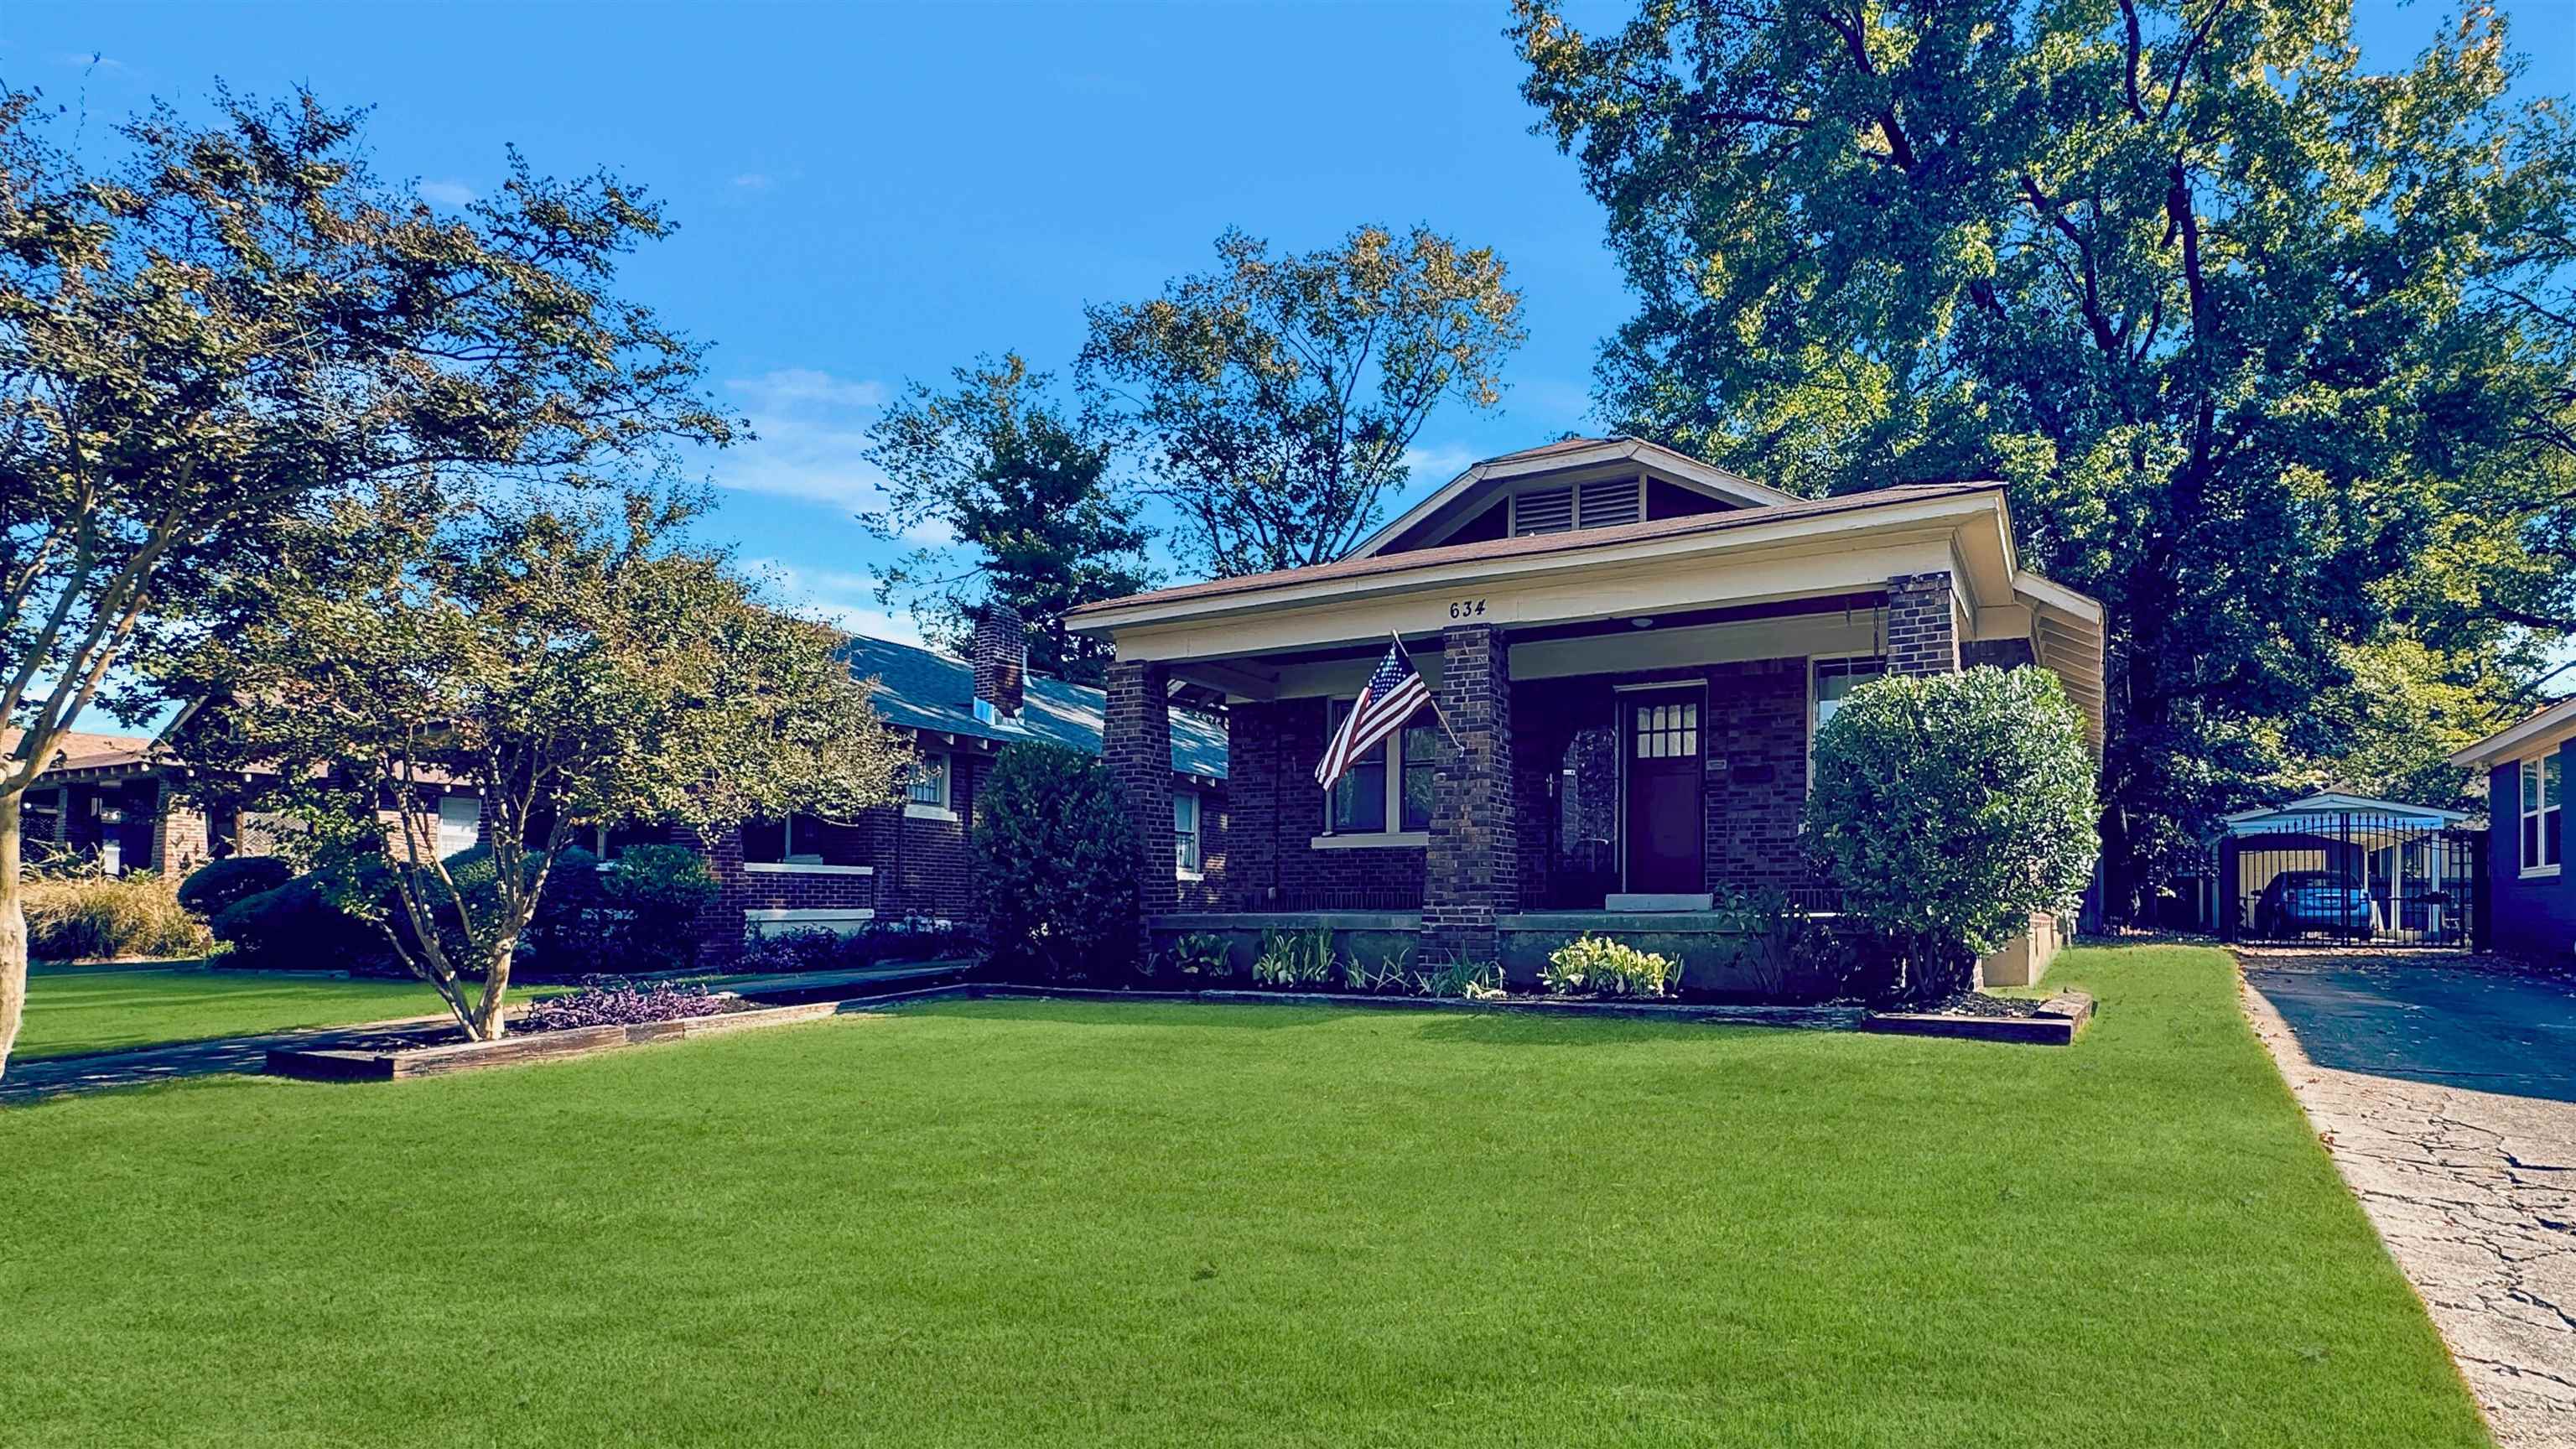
x,y
1622,728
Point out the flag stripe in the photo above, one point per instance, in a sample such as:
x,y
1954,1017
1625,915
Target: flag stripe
x,y
1391,697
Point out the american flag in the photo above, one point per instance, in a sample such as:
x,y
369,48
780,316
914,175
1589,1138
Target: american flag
x,y
1390,698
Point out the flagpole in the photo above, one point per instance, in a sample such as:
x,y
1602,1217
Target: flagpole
x,y
1458,743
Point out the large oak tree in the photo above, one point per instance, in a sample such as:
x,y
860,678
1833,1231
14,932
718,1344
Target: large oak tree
x,y
2258,337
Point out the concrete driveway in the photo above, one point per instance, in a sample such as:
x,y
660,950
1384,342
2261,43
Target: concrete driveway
x,y
2446,1089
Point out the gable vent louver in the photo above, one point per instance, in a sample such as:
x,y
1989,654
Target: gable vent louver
x,y
1547,511
1613,501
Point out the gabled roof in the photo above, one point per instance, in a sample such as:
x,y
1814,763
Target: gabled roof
x,y
2548,725
1569,453
83,749
924,689
1362,565
2336,803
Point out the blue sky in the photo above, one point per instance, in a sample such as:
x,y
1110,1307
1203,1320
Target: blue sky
x,y
873,194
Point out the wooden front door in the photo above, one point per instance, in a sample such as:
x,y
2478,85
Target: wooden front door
x,y
1661,736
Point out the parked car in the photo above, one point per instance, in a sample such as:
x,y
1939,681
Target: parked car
x,y
2300,901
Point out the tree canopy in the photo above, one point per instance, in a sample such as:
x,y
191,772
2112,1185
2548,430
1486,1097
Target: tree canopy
x,y
1005,472
2270,349
569,657
1276,395
227,320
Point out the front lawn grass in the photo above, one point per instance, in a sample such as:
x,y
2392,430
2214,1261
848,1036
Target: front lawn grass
x,y
105,1010
1005,1223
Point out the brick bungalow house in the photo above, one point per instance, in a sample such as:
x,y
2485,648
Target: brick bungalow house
x,y
133,803
126,799
911,861
2531,895
1634,650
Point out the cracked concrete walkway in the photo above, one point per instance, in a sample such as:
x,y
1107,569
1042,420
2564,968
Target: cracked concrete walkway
x,y
2473,1190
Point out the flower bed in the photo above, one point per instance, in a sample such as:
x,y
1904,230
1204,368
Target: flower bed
x,y
399,1056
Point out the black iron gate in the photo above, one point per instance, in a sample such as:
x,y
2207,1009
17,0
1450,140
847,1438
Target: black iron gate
x,y
2361,878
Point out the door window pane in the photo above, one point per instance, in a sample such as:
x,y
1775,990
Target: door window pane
x,y
1667,731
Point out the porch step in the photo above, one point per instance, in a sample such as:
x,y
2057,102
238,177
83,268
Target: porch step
x,y
1665,902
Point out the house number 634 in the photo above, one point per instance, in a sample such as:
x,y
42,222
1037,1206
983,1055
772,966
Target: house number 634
x,y
1466,608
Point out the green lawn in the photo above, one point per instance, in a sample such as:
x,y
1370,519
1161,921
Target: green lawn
x,y
108,1010
1003,1223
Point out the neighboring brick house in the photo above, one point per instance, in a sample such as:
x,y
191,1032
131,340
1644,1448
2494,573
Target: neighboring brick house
x,y
1632,651
912,861
133,803
2531,894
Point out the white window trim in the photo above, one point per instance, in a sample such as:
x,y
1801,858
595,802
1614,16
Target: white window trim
x,y
1198,819
1393,749
1373,840
2539,763
1814,720
798,867
943,808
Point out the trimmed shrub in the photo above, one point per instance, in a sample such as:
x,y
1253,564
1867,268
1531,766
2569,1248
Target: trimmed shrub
x,y
636,915
1605,967
812,948
81,918
1949,807
300,926
1055,867
614,1001
219,883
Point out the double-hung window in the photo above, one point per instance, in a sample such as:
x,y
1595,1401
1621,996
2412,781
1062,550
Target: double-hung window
x,y
1389,789
1837,678
1185,832
926,793
2544,795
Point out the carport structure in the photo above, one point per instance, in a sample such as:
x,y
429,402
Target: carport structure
x,y
2344,864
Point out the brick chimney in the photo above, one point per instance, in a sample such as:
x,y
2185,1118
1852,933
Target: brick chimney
x,y
1001,658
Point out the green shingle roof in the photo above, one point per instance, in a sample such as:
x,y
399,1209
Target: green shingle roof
x,y
920,688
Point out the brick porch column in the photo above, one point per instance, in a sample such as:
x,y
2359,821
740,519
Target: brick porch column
x,y
1922,625
179,837
1473,870
1137,743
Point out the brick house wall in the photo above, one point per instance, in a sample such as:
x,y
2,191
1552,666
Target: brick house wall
x,y
1274,812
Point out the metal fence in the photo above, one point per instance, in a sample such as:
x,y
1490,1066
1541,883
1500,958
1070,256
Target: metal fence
x,y
2360,878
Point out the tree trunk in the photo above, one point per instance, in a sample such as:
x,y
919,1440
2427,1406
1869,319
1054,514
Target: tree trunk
x,y
488,1023
13,929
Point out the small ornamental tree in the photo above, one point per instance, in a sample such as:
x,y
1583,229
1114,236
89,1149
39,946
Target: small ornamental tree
x,y
569,657
1055,866
1948,807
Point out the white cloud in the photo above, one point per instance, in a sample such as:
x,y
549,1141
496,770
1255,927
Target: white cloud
x,y
845,600
1437,463
447,193
752,181
813,439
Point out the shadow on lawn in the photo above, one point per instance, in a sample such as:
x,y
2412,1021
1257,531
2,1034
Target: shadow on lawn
x,y
1430,1023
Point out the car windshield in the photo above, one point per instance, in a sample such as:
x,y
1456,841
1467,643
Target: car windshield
x,y
2314,880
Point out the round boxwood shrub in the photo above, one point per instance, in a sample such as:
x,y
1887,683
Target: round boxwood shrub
x,y
1948,807
219,883
1055,863
299,926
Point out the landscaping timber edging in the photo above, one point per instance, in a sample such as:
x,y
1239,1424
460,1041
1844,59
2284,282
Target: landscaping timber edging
x,y
2056,1022
402,1063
